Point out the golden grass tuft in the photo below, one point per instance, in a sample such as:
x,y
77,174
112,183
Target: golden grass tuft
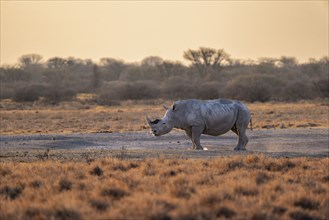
x,y
237,187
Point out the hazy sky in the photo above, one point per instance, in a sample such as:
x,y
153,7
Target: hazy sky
x,y
133,30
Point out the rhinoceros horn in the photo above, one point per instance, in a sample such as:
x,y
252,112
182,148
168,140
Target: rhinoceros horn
x,y
165,107
148,120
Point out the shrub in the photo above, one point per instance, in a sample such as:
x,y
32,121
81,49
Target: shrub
x,y
143,90
4,171
33,213
306,203
66,214
13,74
65,184
29,93
7,91
262,178
97,171
55,94
116,91
279,210
225,212
298,215
36,184
207,91
321,88
114,193
246,191
99,205
253,88
179,91
294,91
11,192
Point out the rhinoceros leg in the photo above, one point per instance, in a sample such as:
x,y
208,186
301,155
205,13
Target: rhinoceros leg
x,y
235,130
243,140
196,133
240,129
189,134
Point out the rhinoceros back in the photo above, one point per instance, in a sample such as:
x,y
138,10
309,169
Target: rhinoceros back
x,y
217,116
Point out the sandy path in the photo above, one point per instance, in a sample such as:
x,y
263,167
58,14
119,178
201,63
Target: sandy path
x,y
276,142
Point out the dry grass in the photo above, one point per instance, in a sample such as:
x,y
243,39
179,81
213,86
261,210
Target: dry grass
x,y
75,117
290,115
252,187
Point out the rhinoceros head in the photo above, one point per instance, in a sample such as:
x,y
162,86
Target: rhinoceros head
x,y
161,126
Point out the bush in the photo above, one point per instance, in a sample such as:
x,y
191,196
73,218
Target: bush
x,y
294,91
13,74
191,90
97,171
65,184
208,91
29,93
320,88
178,91
253,88
7,91
117,91
11,192
55,94
114,193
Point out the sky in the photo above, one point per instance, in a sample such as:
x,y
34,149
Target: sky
x,y
133,30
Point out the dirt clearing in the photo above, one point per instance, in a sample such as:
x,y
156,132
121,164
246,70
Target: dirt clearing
x,y
276,142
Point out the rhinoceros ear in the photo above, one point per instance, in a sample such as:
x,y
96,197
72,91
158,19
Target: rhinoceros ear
x,y
165,107
148,120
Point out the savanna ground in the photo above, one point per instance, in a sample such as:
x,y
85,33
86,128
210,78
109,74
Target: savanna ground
x,y
81,117
115,186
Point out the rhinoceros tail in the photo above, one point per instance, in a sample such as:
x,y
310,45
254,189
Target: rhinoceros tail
x,y
250,124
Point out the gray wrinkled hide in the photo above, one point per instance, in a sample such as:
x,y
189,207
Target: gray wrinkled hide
x,y
211,117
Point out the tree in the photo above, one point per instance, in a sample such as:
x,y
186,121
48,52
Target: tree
x,y
30,59
95,80
151,68
56,63
268,65
152,61
13,74
207,60
113,68
32,64
170,68
288,61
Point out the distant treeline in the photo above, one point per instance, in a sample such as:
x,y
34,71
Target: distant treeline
x,y
211,74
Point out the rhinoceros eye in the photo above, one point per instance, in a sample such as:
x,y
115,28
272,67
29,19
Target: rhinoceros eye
x,y
163,123
155,121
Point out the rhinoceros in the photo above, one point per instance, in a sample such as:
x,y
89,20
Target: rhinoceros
x,y
211,117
